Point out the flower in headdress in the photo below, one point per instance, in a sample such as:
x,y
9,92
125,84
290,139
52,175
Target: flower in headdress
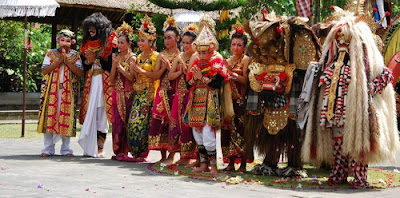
x,y
239,29
170,22
125,29
192,27
147,28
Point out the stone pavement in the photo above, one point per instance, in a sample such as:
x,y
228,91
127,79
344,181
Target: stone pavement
x,y
23,173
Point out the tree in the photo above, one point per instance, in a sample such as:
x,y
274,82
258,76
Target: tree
x,y
11,59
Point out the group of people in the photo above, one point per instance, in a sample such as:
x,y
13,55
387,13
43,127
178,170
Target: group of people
x,y
175,101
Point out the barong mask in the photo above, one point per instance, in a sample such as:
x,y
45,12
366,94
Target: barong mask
x,y
279,45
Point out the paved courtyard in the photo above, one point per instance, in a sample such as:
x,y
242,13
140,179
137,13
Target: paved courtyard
x,y
23,173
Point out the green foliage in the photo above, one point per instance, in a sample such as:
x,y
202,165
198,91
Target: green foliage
x,y
395,8
158,21
200,5
11,55
281,7
325,7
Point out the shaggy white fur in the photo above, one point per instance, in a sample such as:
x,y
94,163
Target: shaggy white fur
x,y
356,130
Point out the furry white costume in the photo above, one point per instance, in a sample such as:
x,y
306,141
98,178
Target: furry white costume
x,y
367,132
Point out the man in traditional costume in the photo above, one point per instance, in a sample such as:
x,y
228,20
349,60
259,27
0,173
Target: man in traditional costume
x,y
59,95
281,49
352,104
96,111
206,76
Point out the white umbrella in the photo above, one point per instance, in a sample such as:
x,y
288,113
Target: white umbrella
x,y
185,18
25,8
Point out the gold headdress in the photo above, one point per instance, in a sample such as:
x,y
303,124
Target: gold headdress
x,y
125,29
206,20
238,28
170,22
205,40
147,29
191,27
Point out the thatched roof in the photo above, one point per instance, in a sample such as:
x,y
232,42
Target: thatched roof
x,y
124,5
75,11
105,4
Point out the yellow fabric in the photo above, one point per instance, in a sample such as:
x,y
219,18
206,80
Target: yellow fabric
x,y
148,67
393,46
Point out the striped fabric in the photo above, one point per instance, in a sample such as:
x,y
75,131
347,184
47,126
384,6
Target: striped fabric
x,y
304,8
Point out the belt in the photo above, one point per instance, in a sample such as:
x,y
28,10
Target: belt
x,y
97,72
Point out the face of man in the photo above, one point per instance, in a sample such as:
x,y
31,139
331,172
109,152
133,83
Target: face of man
x,y
92,31
206,55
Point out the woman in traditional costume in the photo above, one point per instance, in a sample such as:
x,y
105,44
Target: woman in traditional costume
x,y
206,76
180,137
352,108
161,114
232,132
122,94
59,95
146,72
95,111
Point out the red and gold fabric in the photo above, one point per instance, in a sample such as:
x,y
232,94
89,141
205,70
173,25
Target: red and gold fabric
x,y
53,118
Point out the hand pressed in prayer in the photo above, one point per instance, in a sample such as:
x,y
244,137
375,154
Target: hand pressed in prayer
x,y
196,73
165,62
90,56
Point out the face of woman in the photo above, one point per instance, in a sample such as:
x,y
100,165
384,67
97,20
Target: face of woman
x,y
206,55
187,43
237,46
170,39
144,44
123,45
92,31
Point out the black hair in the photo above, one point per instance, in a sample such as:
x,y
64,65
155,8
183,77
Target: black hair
x,y
176,31
240,36
190,34
126,36
101,23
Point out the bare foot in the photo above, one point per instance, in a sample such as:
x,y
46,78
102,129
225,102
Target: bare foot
x,y
44,155
203,168
69,155
169,161
193,164
183,162
230,167
162,160
242,169
214,169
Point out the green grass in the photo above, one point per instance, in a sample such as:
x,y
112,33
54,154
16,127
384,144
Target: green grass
x,y
378,178
14,130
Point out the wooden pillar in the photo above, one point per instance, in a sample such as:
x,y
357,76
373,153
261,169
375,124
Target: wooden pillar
x,y
317,15
54,34
75,28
